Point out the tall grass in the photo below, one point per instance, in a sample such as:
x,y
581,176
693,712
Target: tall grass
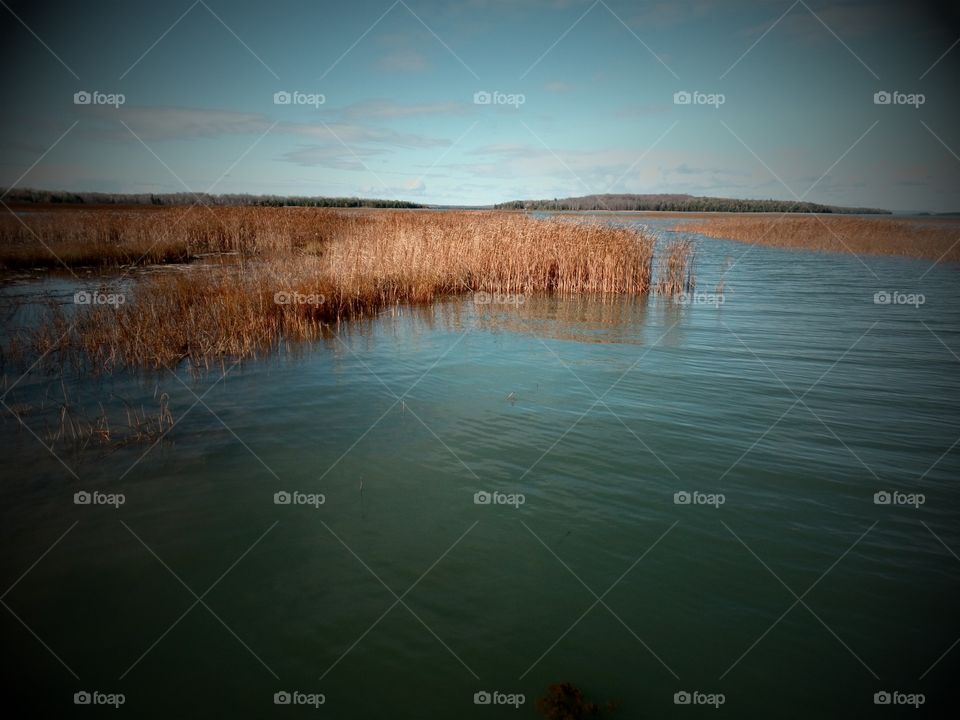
x,y
305,269
675,275
934,239
111,237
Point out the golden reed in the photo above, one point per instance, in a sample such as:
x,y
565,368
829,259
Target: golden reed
x,y
296,271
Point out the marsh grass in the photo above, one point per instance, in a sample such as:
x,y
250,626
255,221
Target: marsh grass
x,y
936,239
110,237
675,269
304,270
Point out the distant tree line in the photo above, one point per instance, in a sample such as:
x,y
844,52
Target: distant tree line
x,y
678,203
65,197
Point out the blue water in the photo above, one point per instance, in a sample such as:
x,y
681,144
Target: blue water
x,y
796,399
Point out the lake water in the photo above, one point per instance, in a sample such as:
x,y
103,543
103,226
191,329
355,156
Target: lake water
x,y
782,584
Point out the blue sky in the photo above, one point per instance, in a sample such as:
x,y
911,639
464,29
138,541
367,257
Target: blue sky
x,y
398,80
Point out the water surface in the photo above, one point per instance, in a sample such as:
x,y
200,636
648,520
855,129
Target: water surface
x,y
796,398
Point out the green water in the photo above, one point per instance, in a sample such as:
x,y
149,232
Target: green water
x,y
597,413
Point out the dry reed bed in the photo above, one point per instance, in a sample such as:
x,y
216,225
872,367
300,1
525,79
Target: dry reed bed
x,y
135,236
836,233
305,269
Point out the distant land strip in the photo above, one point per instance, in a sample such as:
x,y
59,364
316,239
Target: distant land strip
x,y
680,203
616,203
27,196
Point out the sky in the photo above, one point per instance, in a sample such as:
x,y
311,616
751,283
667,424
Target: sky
x,y
483,101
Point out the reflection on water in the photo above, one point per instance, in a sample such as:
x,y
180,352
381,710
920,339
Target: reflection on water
x,y
797,399
582,319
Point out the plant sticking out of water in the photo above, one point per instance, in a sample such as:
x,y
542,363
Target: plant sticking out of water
x,y
75,429
144,427
722,282
675,271
565,701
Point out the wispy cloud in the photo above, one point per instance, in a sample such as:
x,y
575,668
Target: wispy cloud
x,y
178,123
332,156
635,111
356,133
408,188
383,108
172,123
404,60
662,15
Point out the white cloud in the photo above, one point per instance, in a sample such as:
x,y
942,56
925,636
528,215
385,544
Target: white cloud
x,y
404,60
166,123
355,133
386,108
332,156
178,123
